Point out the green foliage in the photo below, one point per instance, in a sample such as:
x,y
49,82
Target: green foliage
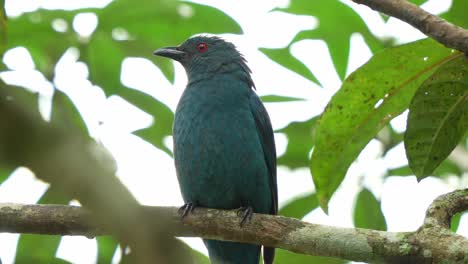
x,y
354,115
457,13
455,222
438,117
284,57
300,141
279,98
360,111
106,249
300,206
326,12
284,256
367,212
163,117
447,167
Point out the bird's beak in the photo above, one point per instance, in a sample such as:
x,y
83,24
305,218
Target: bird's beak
x,y
170,52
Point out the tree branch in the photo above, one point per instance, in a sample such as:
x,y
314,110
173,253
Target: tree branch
x,y
448,34
432,243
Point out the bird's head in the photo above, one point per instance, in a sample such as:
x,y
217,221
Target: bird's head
x,y
203,56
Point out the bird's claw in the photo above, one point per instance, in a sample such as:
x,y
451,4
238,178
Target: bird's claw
x,y
245,213
186,209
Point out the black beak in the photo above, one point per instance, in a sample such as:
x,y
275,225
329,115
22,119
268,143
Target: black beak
x,y
170,52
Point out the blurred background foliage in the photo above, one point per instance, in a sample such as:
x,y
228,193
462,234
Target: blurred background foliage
x,y
359,112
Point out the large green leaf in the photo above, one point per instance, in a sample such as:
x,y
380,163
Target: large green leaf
x,y
163,117
369,98
286,257
438,117
300,141
367,212
327,12
300,206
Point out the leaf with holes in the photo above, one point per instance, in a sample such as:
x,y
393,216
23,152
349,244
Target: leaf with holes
x,y
369,98
438,116
367,212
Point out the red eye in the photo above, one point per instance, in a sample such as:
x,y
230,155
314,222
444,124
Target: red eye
x,y
202,47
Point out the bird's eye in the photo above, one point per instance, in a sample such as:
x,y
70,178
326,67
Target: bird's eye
x,y
202,47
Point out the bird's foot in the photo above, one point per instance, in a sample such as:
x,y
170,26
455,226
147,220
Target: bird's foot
x,y
186,209
246,214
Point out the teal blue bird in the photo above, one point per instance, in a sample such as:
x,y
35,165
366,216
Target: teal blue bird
x,y
224,149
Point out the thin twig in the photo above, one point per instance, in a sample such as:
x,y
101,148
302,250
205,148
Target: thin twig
x,y
450,35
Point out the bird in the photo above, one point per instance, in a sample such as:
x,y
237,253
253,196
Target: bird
x,y
224,147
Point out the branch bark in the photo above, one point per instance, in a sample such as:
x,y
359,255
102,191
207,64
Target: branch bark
x,y
432,243
450,35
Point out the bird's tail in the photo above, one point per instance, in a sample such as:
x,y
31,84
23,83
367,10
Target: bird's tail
x,y
222,252
268,255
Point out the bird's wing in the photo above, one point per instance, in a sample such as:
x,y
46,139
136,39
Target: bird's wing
x,y
265,131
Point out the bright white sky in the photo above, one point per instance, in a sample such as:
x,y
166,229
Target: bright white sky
x,y
149,173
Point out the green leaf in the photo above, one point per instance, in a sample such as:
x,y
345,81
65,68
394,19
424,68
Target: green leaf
x,y
3,30
389,138
300,141
279,99
150,25
284,256
327,12
40,248
163,117
446,168
367,212
368,99
106,249
4,173
299,207
285,58
34,31
457,13
455,222
438,117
